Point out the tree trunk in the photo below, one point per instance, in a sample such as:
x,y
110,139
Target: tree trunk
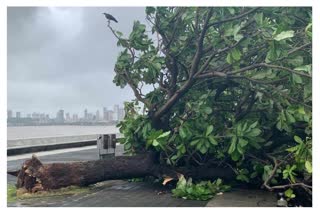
x,y
35,176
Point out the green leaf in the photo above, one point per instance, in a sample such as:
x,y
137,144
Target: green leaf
x,y
298,139
155,142
284,35
242,142
232,145
208,110
150,10
229,58
255,144
240,149
235,156
289,117
306,68
209,130
308,30
236,54
243,177
238,37
260,75
231,10
212,140
127,146
308,166
194,142
182,132
253,125
289,193
296,78
165,134
259,18
254,132
119,33
203,149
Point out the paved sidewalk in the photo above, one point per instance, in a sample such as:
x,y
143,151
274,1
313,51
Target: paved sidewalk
x,y
116,193
244,198
121,193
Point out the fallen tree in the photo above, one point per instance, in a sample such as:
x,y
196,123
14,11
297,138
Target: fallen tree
x,y
35,176
230,87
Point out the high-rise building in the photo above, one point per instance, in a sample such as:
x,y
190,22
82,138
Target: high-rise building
x,y
60,116
105,113
116,112
75,117
86,114
90,116
110,115
9,114
68,117
18,115
121,114
97,115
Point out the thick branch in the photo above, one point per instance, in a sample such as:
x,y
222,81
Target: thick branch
x,y
197,57
234,17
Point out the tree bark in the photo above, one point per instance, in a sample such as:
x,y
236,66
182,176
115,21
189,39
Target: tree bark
x,y
35,176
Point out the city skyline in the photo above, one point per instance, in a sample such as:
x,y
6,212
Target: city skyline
x,y
12,113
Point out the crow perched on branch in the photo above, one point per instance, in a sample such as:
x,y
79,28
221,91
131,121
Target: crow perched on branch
x,y
109,17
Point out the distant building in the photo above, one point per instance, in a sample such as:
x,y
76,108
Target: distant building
x,y
18,115
75,117
121,114
116,112
86,114
104,114
97,115
110,115
68,118
9,114
60,116
42,116
35,115
90,117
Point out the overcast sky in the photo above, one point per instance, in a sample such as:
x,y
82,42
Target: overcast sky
x,y
63,58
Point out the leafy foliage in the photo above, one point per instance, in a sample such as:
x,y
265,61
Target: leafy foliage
x,y
230,86
201,191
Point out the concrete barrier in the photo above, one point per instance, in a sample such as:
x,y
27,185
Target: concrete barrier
x,y
41,148
38,141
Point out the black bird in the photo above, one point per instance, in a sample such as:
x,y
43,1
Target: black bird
x,y
110,17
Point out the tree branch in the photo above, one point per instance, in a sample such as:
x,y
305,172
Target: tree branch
x,y
284,68
197,57
234,17
194,66
219,51
253,66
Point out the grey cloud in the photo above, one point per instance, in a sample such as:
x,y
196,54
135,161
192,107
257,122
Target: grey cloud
x,y
64,58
